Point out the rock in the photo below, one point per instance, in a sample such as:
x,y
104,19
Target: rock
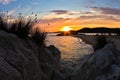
x,y
56,75
46,56
20,60
55,52
8,72
101,65
24,60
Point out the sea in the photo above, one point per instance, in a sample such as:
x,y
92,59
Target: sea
x,y
71,48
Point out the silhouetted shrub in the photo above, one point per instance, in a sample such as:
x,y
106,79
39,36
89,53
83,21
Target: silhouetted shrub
x,y
3,25
39,37
100,42
21,27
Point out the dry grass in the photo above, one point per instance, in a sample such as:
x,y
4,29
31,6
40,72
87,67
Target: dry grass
x,y
23,29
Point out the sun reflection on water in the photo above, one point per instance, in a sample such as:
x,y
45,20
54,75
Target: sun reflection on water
x,y
71,48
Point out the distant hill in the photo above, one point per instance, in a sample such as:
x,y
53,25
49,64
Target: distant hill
x,y
100,30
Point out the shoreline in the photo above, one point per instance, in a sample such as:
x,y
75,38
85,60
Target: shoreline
x,y
90,39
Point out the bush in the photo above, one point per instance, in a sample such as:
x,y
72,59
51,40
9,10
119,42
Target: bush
x,y
21,27
39,37
3,25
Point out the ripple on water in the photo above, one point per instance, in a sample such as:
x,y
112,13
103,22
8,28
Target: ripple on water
x,y
71,48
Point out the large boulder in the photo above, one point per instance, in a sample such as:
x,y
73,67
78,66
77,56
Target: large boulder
x,y
101,65
17,62
23,59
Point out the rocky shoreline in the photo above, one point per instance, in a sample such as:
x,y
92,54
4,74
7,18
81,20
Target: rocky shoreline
x,y
22,59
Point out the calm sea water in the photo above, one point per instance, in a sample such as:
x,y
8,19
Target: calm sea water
x,y
71,48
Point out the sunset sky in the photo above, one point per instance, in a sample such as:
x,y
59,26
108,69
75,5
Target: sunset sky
x,y
53,15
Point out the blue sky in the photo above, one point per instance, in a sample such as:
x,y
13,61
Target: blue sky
x,y
81,13
47,5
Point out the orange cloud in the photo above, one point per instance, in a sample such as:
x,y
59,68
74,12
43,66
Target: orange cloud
x,y
57,19
56,24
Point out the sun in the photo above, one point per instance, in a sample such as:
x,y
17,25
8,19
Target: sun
x,y
66,28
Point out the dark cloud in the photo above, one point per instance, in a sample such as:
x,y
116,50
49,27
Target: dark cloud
x,y
90,17
106,17
60,11
107,10
51,20
86,13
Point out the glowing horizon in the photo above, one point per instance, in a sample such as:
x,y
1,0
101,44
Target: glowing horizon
x,y
66,28
55,14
